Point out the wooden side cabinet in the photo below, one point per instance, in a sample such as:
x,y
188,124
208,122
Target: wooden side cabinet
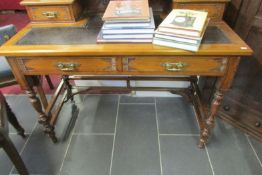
x,y
242,105
53,10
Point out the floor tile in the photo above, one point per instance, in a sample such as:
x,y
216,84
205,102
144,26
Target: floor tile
x,y
180,155
136,143
41,155
5,163
228,143
136,150
257,145
88,155
98,114
176,116
25,113
130,99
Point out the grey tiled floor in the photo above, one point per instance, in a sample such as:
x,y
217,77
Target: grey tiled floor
x,y
122,135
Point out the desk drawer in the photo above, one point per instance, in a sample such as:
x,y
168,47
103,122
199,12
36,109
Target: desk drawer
x,y
175,65
61,13
67,65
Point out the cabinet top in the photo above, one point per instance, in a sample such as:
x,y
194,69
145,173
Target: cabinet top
x,y
46,2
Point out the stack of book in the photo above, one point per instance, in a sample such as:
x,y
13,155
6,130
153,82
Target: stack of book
x,y
127,22
183,29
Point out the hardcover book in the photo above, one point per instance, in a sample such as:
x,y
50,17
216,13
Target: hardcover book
x,y
136,10
175,44
131,29
129,36
185,22
128,31
177,38
131,25
117,25
100,39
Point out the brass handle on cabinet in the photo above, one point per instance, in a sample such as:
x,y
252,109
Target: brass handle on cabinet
x,y
67,67
226,108
174,67
50,14
257,124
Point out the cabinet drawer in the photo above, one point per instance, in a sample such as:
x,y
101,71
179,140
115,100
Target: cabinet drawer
x,y
175,65
215,10
242,116
67,65
51,13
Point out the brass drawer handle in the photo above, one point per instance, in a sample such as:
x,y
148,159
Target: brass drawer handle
x,y
67,67
50,15
6,37
257,124
174,67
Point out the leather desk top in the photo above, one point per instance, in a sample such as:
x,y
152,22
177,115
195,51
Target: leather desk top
x,y
219,39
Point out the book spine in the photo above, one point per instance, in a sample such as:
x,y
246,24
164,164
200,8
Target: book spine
x,y
125,41
175,45
178,39
179,32
131,36
126,26
128,31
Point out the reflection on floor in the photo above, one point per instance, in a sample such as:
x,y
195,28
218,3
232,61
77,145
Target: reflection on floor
x,y
122,135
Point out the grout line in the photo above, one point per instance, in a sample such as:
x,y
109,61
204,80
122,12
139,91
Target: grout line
x,y
211,165
198,124
67,148
181,135
15,133
158,139
254,150
26,142
113,146
30,174
137,103
98,134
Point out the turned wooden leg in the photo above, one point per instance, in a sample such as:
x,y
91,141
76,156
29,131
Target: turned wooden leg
x,y
42,96
203,138
222,85
214,108
68,88
210,121
43,118
13,121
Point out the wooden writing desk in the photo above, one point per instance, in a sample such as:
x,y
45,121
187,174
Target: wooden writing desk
x,y
71,51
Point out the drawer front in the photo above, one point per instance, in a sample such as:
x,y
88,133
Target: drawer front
x,y
241,116
215,10
50,13
174,65
67,65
